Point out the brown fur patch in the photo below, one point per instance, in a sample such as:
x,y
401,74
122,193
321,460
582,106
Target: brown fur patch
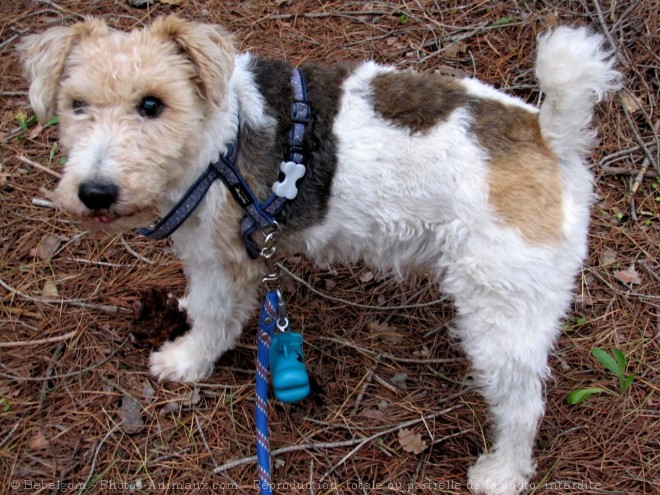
x,y
525,181
416,101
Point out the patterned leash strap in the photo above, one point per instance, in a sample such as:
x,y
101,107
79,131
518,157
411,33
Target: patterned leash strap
x,y
267,324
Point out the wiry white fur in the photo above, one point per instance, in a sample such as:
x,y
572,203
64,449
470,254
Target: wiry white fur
x,y
403,202
575,72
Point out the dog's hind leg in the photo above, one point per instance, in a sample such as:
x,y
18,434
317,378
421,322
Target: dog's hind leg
x,y
507,324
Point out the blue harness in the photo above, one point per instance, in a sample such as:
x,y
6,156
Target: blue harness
x,y
258,215
279,350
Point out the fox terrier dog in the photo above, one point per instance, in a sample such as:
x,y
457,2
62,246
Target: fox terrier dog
x,y
405,171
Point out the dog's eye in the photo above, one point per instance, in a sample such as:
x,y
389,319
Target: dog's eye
x,y
150,107
78,107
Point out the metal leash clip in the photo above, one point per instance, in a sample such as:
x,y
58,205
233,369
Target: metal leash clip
x,y
268,253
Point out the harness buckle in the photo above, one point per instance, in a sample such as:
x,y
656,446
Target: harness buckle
x,y
301,112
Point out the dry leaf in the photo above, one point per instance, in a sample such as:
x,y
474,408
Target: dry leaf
x,y
424,352
399,380
631,102
36,130
609,256
373,414
37,441
584,299
50,289
384,332
46,248
551,20
329,284
455,48
171,2
366,277
629,276
148,391
411,441
131,415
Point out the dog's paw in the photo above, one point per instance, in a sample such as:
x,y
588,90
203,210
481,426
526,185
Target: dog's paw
x,y
494,475
179,362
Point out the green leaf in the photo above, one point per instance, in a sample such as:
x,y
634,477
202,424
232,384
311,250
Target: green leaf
x,y
503,21
403,19
607,361
581,394
625,385
53,150
51,122
21,119
620,359
4,404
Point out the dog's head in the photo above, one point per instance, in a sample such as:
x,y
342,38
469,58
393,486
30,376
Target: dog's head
x,y
132,107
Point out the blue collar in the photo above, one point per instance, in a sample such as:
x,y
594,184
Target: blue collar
x,y
258,215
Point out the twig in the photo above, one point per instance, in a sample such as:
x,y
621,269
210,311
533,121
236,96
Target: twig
x,y
135,253
638,136
49,340
83,489
633,208
2,45
623,58
455,39
389,356
71,302
365,385
8,435
43,203
386,384
49,372
311,477
100,263
635,186
12,93
335,445
320,15
353,304
649,174
26,160
206,444
65,375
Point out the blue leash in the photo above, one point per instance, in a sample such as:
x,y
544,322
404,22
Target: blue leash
x,y
267,322
281,353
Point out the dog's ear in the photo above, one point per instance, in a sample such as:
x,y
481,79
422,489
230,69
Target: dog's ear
x,y
209,47
43,57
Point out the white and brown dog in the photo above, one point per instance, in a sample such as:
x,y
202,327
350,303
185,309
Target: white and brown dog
x,y
404,171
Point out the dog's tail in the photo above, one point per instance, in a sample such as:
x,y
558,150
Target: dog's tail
x,y
575,72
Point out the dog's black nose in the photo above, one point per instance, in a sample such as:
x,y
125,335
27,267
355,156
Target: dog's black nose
x,y
98,195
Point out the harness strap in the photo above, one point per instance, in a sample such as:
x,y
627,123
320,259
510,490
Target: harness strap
x,y
187,204
301,114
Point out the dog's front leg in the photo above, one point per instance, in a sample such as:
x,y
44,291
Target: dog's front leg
x,y
219,300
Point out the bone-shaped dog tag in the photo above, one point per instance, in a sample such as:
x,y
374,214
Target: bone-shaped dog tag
x,y
286,188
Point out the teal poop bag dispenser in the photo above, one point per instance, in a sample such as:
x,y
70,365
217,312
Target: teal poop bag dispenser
x,y
287,368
